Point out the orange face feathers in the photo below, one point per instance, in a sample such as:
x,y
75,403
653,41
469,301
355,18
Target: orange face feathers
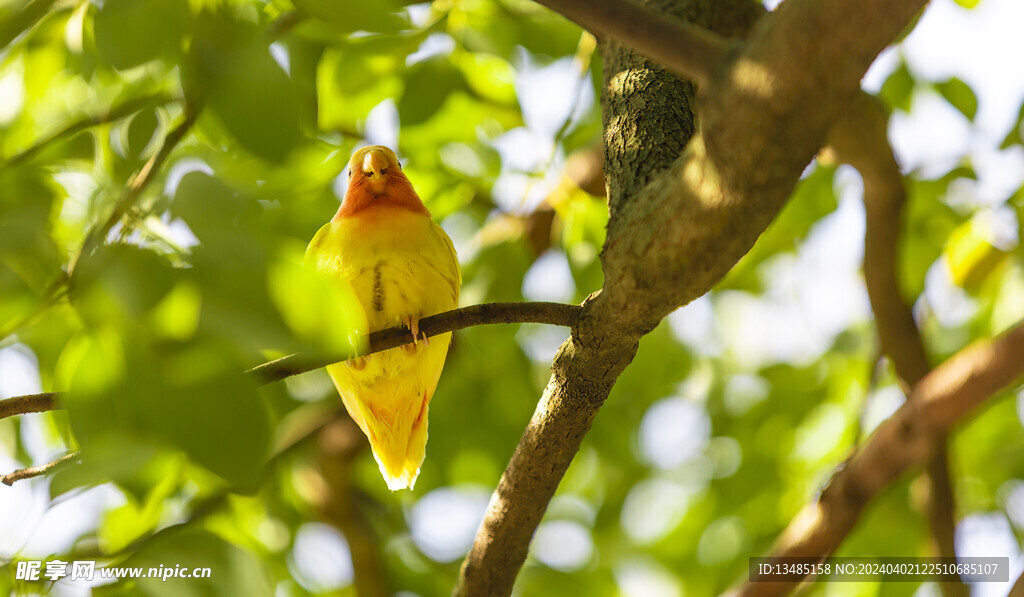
x,y
375,178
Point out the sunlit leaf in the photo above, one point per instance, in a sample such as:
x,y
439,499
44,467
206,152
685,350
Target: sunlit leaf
x,y
898,89
960,95
140,132
489,76
970,254
323,311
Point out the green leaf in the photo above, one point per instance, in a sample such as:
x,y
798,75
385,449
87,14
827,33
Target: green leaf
x,y
139,132
345,95
230,265
928,222
206,406
489,76
322,310
127,392
28,199
475,161
1016,133
898,89
120,283
426,88
132,32
960,95
178,550
813,199
126,524
245,89
353,15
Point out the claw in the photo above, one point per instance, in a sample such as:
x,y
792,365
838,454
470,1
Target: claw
x,y
358,363
413,324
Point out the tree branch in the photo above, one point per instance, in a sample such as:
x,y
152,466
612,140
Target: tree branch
x,y
860,139
686,49
27,17
581,378
1018,587
450,321
32,403
38,471
904,441
115,113
142,179
764,117
434,325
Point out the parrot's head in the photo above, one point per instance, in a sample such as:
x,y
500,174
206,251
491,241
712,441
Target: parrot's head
x,y
375,177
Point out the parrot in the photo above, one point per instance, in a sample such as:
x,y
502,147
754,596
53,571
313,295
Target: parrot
x,y
403,267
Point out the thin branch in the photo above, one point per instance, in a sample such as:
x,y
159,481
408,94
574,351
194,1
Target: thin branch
x,y
50,296
26,18
38,471
115,113
684,48
904,441
32,403
450,321
142,179
860,139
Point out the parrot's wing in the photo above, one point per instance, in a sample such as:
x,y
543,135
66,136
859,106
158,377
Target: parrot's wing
x,y
449,269
318,239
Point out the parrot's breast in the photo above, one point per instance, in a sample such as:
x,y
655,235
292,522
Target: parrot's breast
x,y
400,263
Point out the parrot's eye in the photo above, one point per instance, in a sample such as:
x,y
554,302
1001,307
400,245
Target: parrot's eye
x,y
350,172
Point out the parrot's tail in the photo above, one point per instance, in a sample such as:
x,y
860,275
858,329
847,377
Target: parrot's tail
x,y
400,455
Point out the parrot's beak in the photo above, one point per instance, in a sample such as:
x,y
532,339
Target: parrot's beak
x,y
375,164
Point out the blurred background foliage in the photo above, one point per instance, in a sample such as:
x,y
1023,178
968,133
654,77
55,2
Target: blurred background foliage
x,y
218,131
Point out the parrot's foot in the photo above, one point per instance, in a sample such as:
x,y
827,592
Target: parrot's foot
x,y
358,363
413,323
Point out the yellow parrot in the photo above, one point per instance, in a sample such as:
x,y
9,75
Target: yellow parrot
x,y
403,267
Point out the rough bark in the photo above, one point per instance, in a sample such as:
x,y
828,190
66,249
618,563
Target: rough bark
x,y
583,374
765,116
648,112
